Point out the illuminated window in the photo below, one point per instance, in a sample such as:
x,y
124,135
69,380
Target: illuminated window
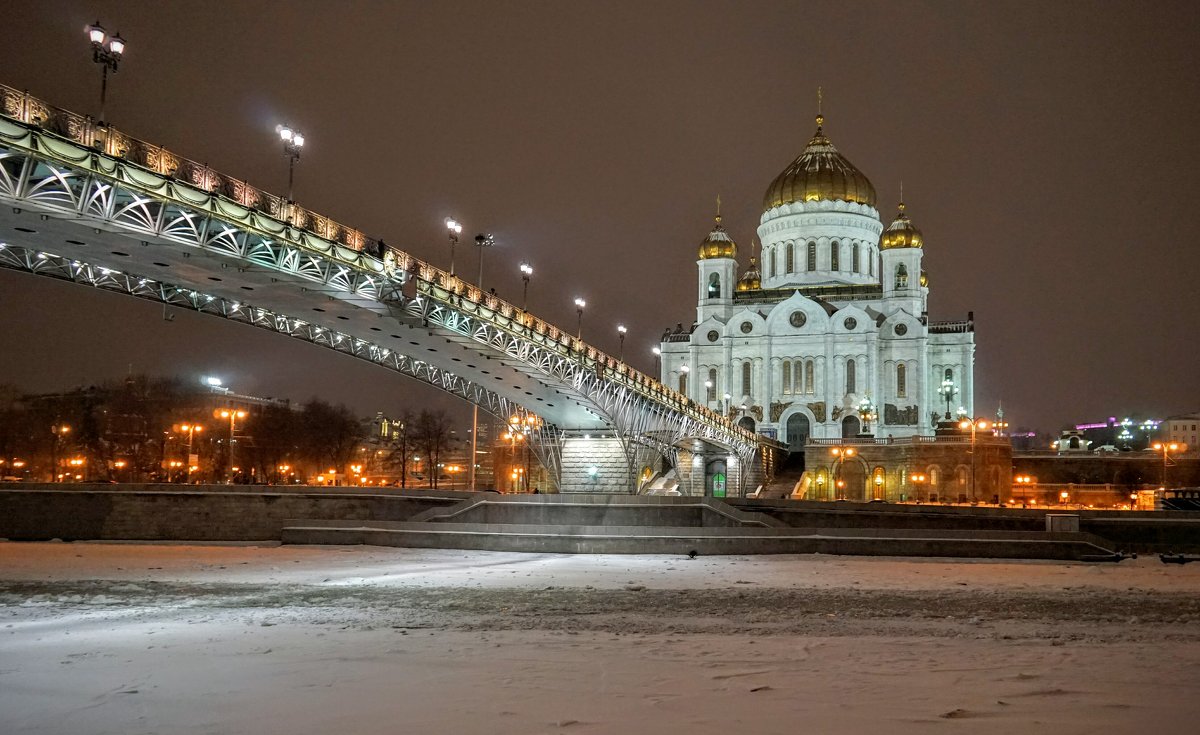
x,y
812,256
834,254
809,383
786,378
714,286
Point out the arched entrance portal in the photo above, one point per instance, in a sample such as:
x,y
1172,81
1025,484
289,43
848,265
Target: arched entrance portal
x,y
851,426
747,423
798,429
850,481
716,478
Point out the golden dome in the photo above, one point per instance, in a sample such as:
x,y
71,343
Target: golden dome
x,y
901,233
718,244
819,173
751,280
924,278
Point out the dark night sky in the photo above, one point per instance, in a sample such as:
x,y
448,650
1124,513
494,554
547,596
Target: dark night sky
x,y
1048,151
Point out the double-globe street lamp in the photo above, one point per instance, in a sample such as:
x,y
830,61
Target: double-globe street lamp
x,y
453,229
1166,448
948,391
107,52
293,142
190,430
526,273
974,424
233,415
841,454
579,305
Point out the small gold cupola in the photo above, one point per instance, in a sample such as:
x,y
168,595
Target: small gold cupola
x,y
901,233
751,280
718,244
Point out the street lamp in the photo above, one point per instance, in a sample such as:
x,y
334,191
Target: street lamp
x,y
59,431
191,430
727,397
657,362
526,272
1165,448
841,453
918,479
579,304
866,411
483,240
621,342
974,424
233,415
948,391
106,51
292,143
453,229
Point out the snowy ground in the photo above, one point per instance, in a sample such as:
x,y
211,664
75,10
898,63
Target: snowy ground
x,y
127,638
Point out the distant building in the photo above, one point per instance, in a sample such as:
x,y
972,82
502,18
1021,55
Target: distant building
x,y
1183,429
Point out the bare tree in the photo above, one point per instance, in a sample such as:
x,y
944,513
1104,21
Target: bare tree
x,y
433,438
331,433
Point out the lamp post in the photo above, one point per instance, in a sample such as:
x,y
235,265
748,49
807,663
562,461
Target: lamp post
x,y
1165,448
526,272
1025,483
686,370
106,51
841,453
292,143
948,391
233,415
453,229
657,362
621,342
866,412
191,430
974,424
579,304
708,386
918,479
483,240
727,397
59,431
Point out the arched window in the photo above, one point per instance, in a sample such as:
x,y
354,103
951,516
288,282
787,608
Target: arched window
x,y
712,384
949,375
786,377
812,256
714,286
683,383
834,256
746,378
791,257
774,262
933,473
854,258
901,380
809,383
851,377
901,276
870,261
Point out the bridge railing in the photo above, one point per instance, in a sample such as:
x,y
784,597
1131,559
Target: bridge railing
x,y
859,441
105,139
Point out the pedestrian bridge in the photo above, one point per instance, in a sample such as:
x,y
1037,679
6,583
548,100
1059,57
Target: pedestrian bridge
x,y
89,204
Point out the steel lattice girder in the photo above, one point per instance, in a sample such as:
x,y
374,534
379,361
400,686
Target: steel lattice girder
x,y
54,266
63,177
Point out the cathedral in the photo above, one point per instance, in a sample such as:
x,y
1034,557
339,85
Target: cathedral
x,y
829,336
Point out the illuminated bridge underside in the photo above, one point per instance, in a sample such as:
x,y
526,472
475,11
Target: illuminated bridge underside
x,y
75,213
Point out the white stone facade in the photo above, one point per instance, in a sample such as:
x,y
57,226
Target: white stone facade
x,y
835,320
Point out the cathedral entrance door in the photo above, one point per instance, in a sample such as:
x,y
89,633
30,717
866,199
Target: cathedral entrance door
x,y
851,426
714,479
798,430
851,481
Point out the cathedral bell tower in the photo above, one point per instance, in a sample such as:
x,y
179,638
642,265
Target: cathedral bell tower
x,y
900,250
717,268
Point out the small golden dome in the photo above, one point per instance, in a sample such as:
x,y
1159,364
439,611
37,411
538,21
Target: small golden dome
x,y
819,173
924,278
901,233
751,280
718,244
